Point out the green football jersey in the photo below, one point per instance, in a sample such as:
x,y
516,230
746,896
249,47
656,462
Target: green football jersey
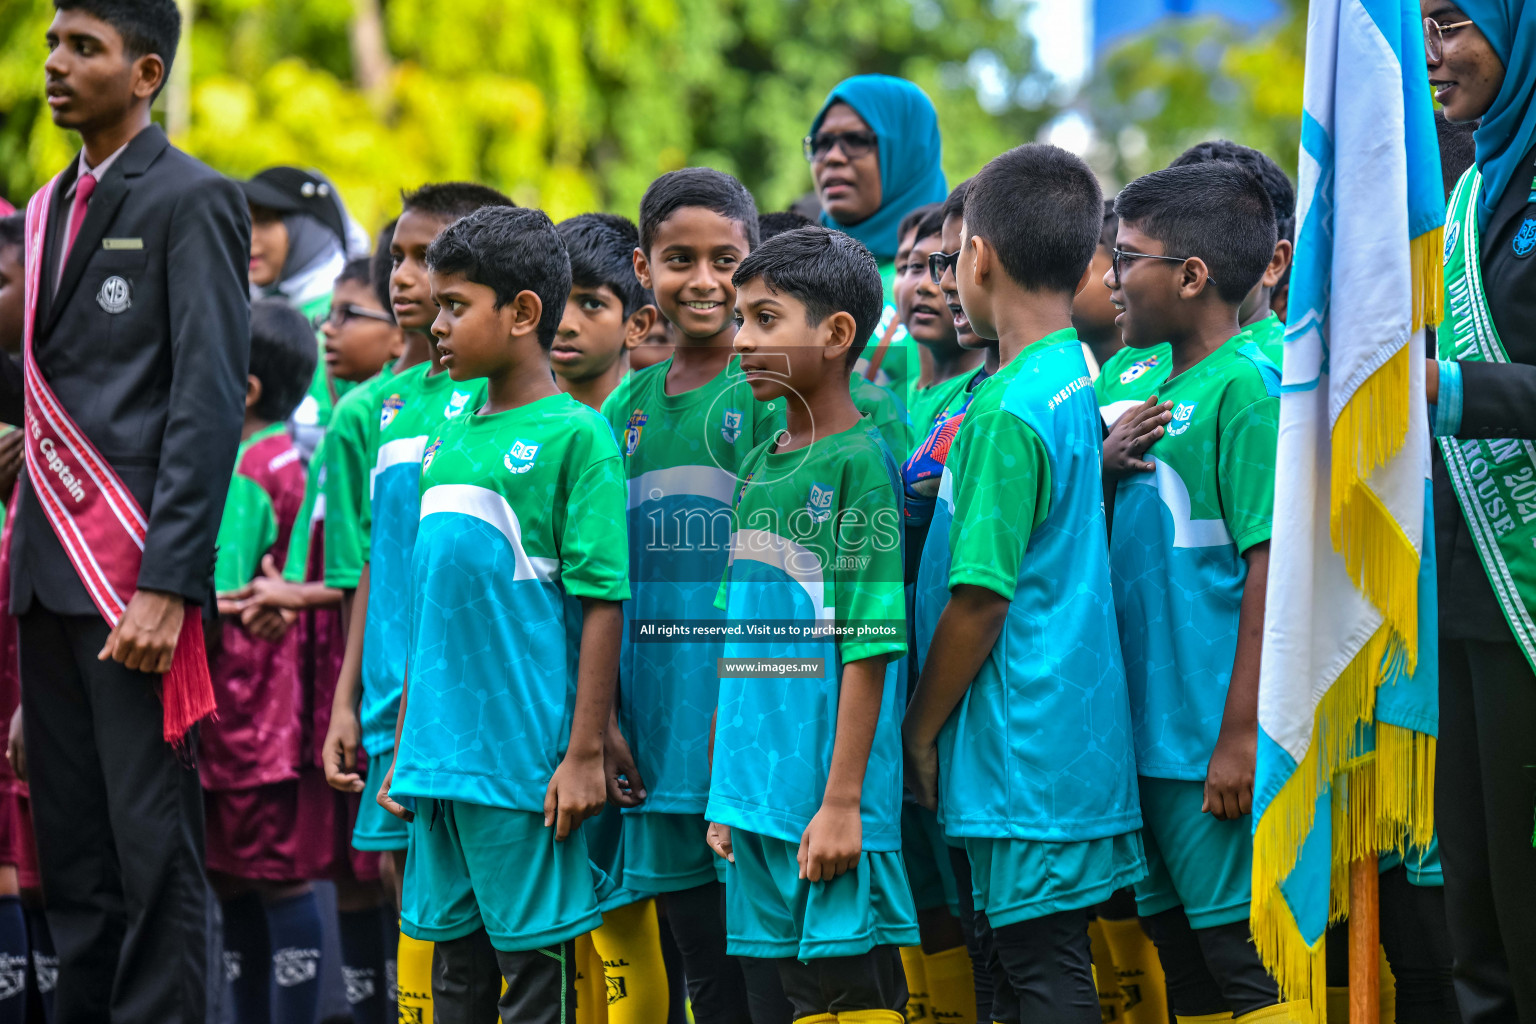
x,y
884,409
817,541
1179,534
348,459
248,528
311,512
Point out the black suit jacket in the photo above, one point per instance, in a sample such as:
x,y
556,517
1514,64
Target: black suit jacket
x,y
159,386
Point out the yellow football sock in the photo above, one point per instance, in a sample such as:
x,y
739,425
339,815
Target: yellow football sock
x,y
413,979
1388,992
591,992
1205,1018
1138,970
951,986
917,982
869,1017
822,1018
1294,1013
629,948
1338,1004
1105,977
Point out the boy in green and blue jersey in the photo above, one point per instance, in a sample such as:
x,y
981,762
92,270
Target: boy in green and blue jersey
x,y
518,570
1019,729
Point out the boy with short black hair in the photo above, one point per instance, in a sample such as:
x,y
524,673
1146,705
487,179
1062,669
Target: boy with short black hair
x,y
1189,551
684,426
518,572
805,795
606,313
1047,807
770,224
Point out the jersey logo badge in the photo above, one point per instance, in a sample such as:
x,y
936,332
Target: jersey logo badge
x,y
1183,415
390,409
1525,240
632,431
819,504
426,458
730,425
520,458
1450,241
1137,369
115,296
455,404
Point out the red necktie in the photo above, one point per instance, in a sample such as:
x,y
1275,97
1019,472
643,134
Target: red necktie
x,y
83,191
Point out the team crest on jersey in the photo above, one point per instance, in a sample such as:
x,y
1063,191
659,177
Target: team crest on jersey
x,y
632,431
730,425
389,410
1183,416
430,453
455,404
819,504
1450,241
520,458
1525,239
1136,369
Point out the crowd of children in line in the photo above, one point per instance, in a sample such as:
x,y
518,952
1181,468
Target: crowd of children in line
x,y
475,570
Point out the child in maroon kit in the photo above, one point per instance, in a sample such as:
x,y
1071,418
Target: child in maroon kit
x,y
252,749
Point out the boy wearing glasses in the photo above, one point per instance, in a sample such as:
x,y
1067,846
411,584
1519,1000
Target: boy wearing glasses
x,y
1030,723
1189,554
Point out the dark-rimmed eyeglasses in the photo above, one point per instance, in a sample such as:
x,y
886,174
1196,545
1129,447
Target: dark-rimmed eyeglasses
x,y
1434,37
1119,256
853,144
938,262
341,314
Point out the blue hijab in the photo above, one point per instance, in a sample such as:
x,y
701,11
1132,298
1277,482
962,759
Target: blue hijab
x,y
1508,129
911,172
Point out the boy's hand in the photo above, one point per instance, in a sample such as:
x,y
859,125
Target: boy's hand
x,y
144,639
389,804
1131,436
719,838
270,590
832,843
339,754
16,746
922,771
269,624
1229,777
625,786
576,792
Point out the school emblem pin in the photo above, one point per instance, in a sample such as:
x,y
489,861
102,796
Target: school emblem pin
x,y
632,431
730,425
520,458
455,404
1525,238
1450,242
389,410
429,454
115,296
1183,415
819,504
1136,369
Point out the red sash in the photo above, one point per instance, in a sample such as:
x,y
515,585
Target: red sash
x,y
95,517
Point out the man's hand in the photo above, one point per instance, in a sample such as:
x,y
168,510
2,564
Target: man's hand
x,y
16,747
339,754
388,803
1131,436
922,771
1229,777
719,838
625,786
145,637
832,843
576,792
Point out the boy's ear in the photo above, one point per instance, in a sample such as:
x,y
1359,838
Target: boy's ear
x,y
148,74
1277,263
639,325
1194,276
642,268
252,390
841,328
526,309
981,258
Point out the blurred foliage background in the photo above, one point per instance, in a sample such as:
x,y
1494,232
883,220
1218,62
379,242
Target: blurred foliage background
x,y
575,105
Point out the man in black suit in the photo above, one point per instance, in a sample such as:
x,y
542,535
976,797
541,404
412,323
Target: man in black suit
x,y
142,333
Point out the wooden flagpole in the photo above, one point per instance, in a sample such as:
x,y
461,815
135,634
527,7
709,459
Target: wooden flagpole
x,y
1364,943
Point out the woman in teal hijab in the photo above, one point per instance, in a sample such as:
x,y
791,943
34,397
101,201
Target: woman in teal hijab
x,y
1481,57
876,156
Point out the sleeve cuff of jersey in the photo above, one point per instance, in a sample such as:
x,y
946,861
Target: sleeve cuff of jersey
x,y
345,580
858,652
1257,535
983,576
599,591
1447,416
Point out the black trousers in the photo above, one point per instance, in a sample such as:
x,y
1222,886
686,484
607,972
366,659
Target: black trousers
x,y
1418,946
1485,793
119,819
467,978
